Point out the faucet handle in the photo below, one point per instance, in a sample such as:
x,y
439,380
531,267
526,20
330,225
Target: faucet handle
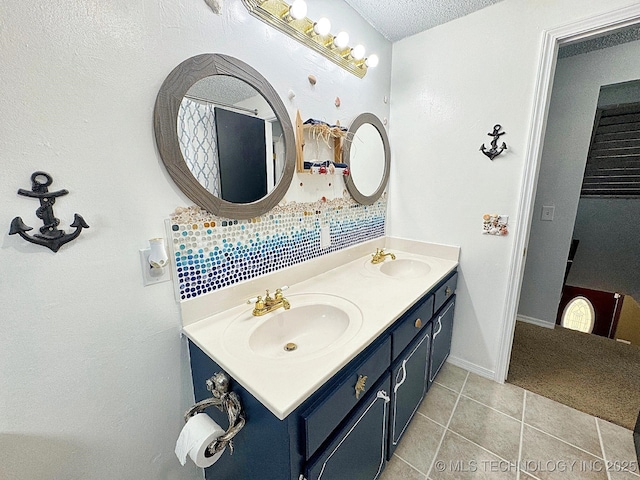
x,y
278,294
254,300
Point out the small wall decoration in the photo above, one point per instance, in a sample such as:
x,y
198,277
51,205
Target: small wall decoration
x,y
494,151
494,224
49,235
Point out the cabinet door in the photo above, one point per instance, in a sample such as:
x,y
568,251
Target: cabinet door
x,y
409,381
358,449
441,343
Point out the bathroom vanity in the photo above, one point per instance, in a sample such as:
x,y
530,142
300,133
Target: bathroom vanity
x,y
338,411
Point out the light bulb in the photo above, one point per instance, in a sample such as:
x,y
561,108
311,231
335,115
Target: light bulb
x,y
372,61
341,40
298,9
357,52
322,26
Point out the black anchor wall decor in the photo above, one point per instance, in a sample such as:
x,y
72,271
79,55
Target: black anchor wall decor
x,y
494,151
49,235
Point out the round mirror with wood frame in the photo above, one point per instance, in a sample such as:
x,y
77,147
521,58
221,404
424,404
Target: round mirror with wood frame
x,y
368,196
165,121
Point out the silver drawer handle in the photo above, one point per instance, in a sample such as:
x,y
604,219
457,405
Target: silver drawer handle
x,y
439,327
404,376
448,292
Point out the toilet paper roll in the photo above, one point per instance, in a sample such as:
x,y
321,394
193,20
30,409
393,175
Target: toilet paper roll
x,y
199,431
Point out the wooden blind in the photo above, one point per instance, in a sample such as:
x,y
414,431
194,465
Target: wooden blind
x,y
613,164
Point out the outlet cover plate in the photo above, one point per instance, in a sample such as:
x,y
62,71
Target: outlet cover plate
x,y
151,276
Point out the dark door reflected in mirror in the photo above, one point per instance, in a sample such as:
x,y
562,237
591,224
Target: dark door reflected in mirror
x,y
201,123
231,139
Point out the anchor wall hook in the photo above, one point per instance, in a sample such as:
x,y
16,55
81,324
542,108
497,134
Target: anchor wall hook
x,y
494,151
49,235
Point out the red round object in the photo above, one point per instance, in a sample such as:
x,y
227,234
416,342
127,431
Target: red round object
x,y
323,169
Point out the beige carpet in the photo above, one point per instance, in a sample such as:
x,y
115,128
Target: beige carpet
x,y
592,374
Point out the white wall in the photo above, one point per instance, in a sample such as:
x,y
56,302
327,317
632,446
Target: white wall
x,y
94,377
450,85
608,256
572,110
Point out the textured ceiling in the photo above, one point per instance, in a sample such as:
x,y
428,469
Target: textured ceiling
x,y
617,38
397,19
222,90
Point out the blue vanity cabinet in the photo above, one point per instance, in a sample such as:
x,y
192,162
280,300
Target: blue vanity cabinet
x,y
443,307
409,383
441,342
351,425
357,451
342,393
267,448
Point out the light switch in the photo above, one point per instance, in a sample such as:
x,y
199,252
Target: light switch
x,y
325,237
547,213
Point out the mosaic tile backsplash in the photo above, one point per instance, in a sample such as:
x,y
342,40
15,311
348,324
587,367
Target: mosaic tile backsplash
x,y
213,252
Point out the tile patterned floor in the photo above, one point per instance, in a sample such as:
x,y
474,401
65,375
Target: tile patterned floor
x,y
469,427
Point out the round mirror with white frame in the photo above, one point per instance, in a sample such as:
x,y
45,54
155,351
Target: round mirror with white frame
x,y
224,136
368,155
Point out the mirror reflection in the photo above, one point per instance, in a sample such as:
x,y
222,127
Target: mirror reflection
x,y
231,139
367,159
368,154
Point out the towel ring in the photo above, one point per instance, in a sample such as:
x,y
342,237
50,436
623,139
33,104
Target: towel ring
x,y
225,401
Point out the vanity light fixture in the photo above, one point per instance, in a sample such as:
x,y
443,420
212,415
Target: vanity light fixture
x,y
322,27
298,9
341,40
292,20
357,52
372,62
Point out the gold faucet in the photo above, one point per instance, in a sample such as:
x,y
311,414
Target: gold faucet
x,y
379,256
269,303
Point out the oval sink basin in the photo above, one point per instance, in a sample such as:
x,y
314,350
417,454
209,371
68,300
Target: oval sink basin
x,y
405,268
315,325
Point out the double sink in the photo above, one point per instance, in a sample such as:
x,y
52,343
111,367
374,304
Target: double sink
x,y
282,357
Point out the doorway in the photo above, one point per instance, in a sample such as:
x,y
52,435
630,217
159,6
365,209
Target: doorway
x,y
589,28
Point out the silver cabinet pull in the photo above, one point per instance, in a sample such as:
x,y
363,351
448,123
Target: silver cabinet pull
x,y
439,327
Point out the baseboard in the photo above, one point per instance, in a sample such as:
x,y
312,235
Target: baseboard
x,y
535,321
472,367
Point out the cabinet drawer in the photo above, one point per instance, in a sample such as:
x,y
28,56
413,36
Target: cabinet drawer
x,y
325,415
445,291
409,327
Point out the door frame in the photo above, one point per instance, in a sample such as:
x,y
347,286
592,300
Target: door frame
x,y
573,32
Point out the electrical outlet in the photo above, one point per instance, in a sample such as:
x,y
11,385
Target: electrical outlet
x,y
547,213
151,276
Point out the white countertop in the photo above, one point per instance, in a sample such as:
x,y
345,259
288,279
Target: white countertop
x,y
280,383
